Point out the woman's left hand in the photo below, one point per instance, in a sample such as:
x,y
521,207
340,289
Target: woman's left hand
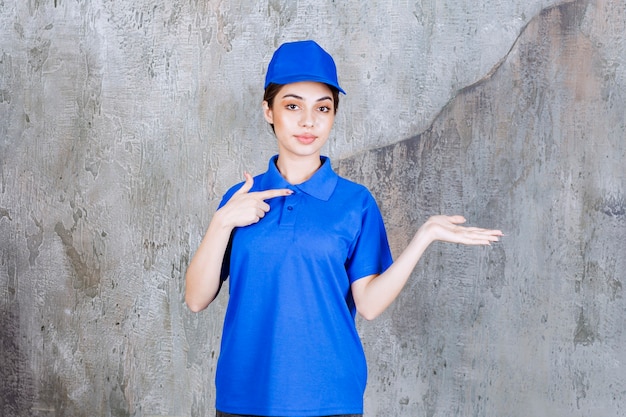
x,y
449,229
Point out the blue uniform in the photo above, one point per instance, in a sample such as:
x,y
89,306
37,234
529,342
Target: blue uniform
x,y
290,345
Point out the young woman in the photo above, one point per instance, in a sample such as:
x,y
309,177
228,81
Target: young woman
x,y
305,250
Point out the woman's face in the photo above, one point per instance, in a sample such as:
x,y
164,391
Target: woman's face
x,y
303,114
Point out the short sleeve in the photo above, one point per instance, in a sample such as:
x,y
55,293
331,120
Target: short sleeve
x,y
370,253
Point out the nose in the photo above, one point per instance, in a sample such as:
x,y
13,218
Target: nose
x,y
307,119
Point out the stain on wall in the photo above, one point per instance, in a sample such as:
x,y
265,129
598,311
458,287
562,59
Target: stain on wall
x,y
121,125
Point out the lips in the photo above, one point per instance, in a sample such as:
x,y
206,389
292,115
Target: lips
x,y
305,139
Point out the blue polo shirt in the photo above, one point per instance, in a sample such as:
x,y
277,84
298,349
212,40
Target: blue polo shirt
x,y
290,345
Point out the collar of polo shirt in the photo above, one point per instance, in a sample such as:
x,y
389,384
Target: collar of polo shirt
x,y
321,185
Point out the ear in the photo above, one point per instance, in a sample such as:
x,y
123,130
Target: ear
x,y
268,113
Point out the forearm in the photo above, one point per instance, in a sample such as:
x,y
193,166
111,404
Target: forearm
x,y
202,279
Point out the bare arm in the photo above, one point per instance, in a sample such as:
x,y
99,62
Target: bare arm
x,y
373,294
202,279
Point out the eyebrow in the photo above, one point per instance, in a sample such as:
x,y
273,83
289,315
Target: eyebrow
x,y
297,97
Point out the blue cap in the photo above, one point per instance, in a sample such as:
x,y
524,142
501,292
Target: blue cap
x,y
302,61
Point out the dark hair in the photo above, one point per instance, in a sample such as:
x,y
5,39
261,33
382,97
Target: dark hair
x,y
272,90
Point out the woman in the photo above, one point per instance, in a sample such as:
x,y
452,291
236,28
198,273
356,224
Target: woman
x,y
305,250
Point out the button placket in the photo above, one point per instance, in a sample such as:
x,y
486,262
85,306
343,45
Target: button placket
x,y
288,215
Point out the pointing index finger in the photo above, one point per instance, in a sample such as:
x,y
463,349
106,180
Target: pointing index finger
x,y
273,193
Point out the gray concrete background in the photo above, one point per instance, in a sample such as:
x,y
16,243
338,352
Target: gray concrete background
x,y
121,123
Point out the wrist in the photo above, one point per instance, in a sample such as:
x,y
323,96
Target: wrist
x,y
426,232
220,222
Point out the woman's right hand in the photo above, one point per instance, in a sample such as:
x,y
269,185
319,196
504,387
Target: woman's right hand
x,y
245,208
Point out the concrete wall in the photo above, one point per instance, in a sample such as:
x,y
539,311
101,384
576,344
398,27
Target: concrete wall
x,y
121,123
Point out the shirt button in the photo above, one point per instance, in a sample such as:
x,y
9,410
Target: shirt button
x,y
289,208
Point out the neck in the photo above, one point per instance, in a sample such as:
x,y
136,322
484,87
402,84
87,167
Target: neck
x,y
298,170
